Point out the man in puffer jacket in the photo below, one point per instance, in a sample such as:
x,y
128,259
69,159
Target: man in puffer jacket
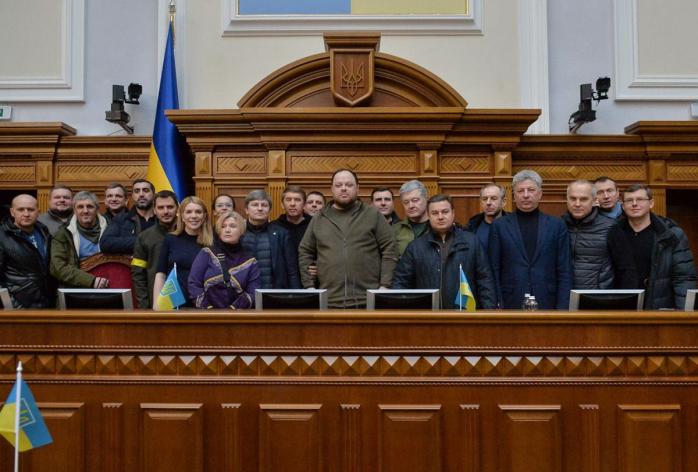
x,y
24,256
592,267
651,252
434,259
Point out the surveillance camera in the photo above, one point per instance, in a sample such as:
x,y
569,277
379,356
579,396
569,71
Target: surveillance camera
x,y
117,114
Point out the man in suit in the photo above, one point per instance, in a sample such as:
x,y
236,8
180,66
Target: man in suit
x,y
530,251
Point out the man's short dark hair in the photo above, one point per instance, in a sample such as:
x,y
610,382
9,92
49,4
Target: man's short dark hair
x,y
381,189
60,187
605,178
635,187
166,194
294,189
114,185
314,192
440,197
140,181
356,177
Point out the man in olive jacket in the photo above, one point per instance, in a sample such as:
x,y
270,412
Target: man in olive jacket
x,y
147,249
350,243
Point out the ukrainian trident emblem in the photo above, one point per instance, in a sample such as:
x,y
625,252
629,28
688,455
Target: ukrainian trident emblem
x,y
352,75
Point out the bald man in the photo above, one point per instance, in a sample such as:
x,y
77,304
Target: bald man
x,y
24,256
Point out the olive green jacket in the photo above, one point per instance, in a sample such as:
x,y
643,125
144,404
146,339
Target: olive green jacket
x,y
65,265
144,263
402,231
348,264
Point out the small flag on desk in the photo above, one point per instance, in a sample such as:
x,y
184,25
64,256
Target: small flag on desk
x,y
171,295
464,297
32,429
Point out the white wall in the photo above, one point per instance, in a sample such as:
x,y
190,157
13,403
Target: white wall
x,y
123,44
120,48
581,49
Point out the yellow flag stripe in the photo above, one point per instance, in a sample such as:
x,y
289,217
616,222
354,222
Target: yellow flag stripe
x,y
156,173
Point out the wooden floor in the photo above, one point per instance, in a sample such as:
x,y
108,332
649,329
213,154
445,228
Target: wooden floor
x,y
358,391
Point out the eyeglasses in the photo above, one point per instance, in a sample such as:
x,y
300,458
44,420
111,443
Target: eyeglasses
x,y
633,201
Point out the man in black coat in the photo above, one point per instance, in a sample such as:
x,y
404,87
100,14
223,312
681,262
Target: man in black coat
x,y
651,252
492,200
24,256
433,259
592,267
270,244
120,236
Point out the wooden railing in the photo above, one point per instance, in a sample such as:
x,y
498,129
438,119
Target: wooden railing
x,y
355,390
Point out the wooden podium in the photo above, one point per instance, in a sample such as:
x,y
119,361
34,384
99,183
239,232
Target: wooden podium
x,y
358,391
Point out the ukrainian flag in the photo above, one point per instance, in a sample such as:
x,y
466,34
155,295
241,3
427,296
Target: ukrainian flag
x,y
171,295
464,297
167,151
32,429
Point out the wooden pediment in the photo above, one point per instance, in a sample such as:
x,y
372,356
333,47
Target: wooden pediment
x,y
352,73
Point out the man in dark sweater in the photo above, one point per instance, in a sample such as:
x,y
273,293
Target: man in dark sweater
x,y
120,236
294,220
530,251
492,200
270,244
651,252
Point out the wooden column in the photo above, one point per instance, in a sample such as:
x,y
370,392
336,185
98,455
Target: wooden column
x,y
657,177
428,170
276,181
501,165
204,177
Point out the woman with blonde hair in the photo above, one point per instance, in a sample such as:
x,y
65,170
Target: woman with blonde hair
x,y
225,276
192,232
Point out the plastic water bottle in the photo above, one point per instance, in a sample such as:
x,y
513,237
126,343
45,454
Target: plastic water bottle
x,y
524,305
532,303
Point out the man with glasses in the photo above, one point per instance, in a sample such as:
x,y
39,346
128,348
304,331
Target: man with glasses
x,y
607,197
651,252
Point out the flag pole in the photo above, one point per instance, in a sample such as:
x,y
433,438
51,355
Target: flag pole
x,y
460,289
18,409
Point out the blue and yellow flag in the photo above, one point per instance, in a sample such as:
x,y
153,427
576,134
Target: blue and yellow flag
x,y
32,429
464,297
167,151
171,295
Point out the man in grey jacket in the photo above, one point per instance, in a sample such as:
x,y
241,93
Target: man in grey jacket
x,y
350,243
588,228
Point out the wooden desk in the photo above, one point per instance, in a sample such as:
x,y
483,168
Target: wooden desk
x,y
351,391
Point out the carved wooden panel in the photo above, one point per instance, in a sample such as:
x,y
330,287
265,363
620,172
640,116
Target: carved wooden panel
x,y
649,438
99,173
112,437
566,172
533,438
682,172
410,438
361,163
17,173
240,164
172,437
66,423
476,164
351,438
589,444
470,447
290,438
290,364
231,441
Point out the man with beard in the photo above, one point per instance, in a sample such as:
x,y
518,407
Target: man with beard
x,y
24,256
78,240
352,244
295,221
115,201
120,236
147,249
492,199
60,208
